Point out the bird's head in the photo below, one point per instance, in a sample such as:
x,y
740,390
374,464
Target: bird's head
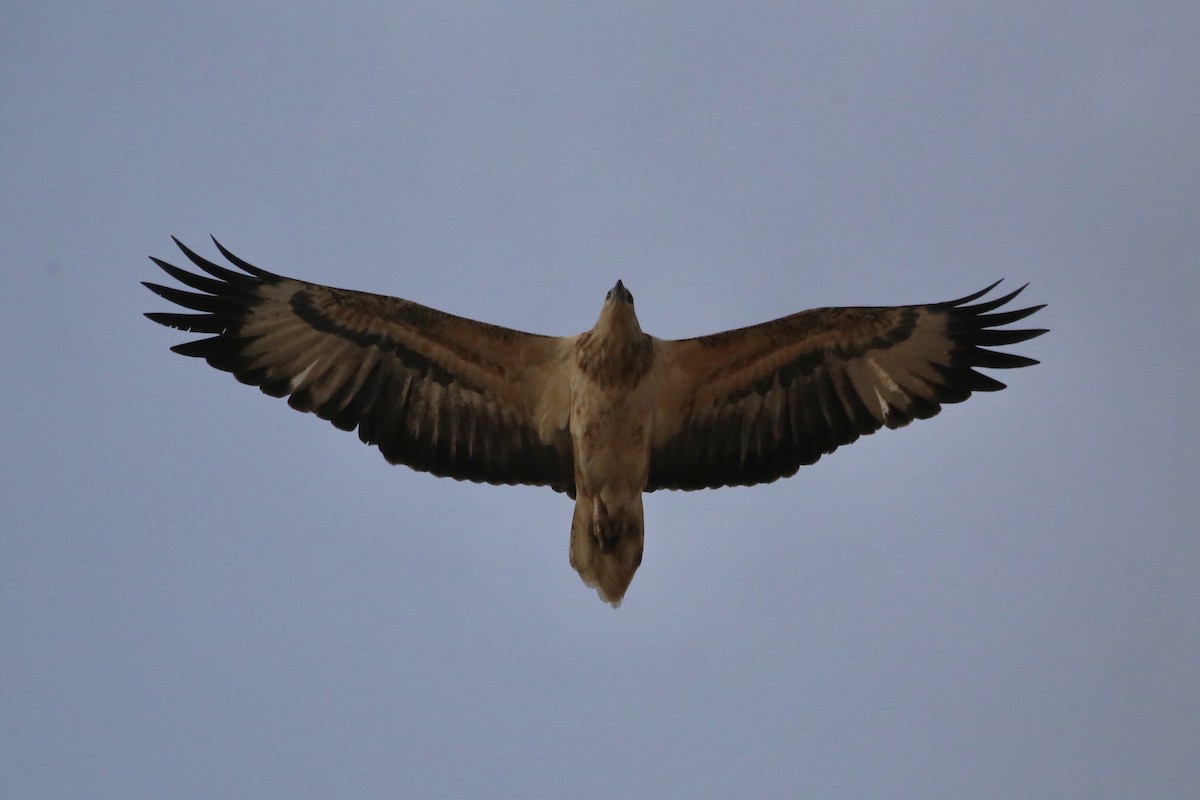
x,y
619,294
617,312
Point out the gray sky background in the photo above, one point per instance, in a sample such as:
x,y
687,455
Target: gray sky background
x,y
205,594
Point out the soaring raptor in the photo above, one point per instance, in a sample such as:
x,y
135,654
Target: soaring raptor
x,y
602,416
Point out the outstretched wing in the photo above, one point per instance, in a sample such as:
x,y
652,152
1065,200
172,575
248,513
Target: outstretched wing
x,y
436,392
755,404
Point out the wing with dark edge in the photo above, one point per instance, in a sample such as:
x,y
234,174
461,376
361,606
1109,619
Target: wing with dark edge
x,y
755,404
439,393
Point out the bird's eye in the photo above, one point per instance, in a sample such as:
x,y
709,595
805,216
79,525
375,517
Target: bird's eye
x,y
629,296
608,296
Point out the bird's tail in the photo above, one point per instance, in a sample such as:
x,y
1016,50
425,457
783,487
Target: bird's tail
x,y
606,545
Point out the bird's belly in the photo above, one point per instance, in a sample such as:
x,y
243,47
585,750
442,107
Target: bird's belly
x,y
612,445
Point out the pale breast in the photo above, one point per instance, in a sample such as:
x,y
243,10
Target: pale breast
x,y
610,429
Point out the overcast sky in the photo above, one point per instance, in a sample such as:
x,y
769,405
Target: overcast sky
x,y
205,594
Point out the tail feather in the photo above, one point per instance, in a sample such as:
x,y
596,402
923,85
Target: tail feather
x,y
607,551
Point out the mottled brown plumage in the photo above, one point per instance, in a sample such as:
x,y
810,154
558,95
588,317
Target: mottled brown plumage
x,y
605,415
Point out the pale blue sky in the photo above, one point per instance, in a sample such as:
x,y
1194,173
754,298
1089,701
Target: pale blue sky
x,y
205,594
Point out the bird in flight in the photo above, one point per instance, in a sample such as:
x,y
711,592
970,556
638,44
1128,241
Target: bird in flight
x,y
603,416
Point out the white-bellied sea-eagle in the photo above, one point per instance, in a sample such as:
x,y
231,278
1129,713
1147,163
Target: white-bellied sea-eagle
x,y
602,416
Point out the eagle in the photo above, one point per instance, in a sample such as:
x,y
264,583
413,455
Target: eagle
x,y
603,416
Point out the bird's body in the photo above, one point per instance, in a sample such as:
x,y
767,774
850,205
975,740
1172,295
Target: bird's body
x,y
605,415
613,400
